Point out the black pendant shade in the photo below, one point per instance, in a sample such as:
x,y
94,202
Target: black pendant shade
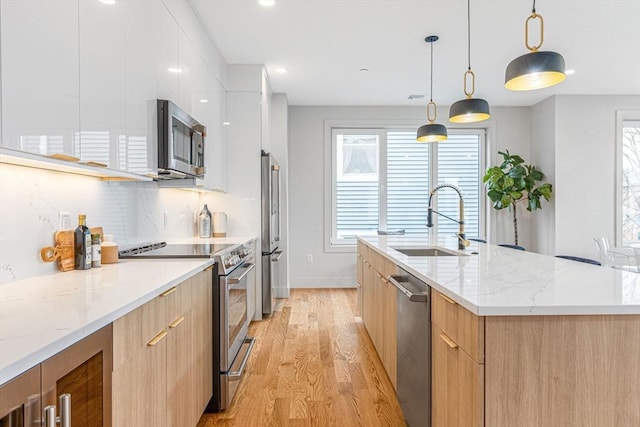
x,y
535,70
431,132
469,110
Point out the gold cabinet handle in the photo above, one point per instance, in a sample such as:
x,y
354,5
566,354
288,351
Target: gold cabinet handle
x,y
168,292
447,299
448,340
209,268
176,322
157,338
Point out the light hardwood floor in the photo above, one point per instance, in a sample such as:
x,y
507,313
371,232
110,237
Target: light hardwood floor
x,y
313,365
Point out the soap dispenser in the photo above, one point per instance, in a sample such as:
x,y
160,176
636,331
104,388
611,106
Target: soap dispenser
x,y
204,223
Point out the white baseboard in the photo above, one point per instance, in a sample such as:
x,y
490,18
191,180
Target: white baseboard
x,y
321,282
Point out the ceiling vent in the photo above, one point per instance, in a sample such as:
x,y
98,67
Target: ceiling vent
x,y
415,96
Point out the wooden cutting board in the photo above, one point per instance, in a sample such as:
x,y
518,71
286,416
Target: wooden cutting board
x,y
64,245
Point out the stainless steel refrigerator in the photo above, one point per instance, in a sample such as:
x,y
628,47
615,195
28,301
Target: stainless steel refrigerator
x,y
271,252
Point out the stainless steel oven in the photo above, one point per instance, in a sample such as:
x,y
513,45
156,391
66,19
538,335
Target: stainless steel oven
x,y
235,345
234,274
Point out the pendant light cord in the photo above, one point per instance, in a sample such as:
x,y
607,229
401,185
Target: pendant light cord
x,y
431,76
533,9
469,33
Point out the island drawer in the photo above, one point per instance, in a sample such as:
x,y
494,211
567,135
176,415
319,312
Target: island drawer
x,y
459,324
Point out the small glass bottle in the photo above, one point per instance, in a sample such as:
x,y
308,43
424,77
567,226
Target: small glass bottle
x,y
204,223
96,251
82,244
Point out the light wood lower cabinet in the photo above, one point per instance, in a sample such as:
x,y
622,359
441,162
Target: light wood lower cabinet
x,y
160,376
379,308
529,371
457,398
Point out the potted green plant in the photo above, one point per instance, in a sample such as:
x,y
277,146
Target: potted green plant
x,y
513,182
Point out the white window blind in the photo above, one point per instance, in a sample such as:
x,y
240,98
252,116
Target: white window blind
x,y
357,183
459,164
407,183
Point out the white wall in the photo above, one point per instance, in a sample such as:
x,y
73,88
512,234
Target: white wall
x,y
585,170
509,128
543,155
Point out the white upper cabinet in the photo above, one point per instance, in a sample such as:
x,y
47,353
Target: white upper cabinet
x,y
81,77
40,75
204,97
102,82
165,44
142,34
216,152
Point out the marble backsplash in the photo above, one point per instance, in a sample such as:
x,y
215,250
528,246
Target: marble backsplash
x,y
30,200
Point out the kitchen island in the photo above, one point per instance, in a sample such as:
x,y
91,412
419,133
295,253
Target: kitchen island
x,y
518,338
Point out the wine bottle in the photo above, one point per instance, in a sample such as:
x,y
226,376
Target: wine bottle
x,y
82,244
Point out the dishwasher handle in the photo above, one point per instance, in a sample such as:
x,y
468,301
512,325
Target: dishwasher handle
x,y
399,281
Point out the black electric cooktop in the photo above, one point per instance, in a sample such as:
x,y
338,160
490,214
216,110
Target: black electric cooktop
x,y
163,250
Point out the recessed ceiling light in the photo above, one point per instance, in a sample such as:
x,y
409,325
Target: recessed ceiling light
x,y
204,101
281,70
107,1
569,72
267,2
174,70
226,123
364,70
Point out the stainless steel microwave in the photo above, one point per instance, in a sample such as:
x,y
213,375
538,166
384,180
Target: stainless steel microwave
x,y
181,141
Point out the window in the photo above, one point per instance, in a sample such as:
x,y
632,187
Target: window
x,y
381,179
629,179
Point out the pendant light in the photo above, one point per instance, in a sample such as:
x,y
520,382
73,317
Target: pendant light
x,y
535,70
431,132
470,109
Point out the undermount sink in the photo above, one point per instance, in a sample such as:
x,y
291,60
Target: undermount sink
x,y
428,251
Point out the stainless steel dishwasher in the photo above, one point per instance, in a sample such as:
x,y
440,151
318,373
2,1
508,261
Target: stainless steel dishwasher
x,y
414,348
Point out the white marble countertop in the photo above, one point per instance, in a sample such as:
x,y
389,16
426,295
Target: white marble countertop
x,y
499,281
43,315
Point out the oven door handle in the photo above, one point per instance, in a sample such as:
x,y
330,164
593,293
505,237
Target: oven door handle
x,y
236,280
234,374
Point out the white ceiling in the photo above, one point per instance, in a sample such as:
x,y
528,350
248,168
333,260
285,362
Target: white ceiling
x,y
324,43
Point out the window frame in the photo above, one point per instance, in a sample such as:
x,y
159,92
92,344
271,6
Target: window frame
x,y
381,127
622,117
